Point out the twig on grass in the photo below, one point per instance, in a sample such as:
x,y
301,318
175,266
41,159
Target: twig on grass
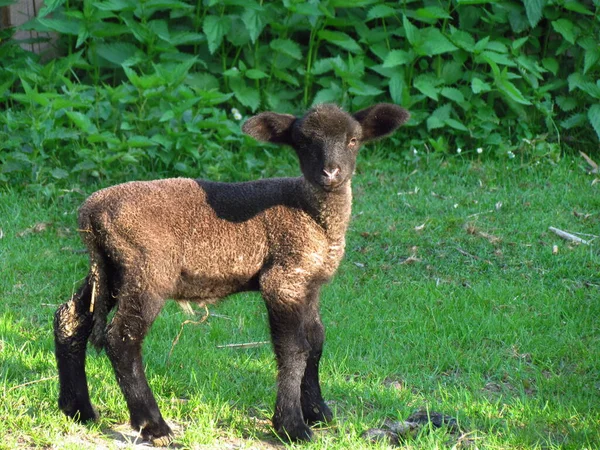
x,y
568,236
589,160
480,213
31,382
184,323
460,250
244,345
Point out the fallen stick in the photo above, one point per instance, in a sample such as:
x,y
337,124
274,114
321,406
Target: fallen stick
x,y
568,236
29,383
184,323
244,345
461,251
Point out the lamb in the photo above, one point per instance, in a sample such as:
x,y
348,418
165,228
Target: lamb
x,y
200,241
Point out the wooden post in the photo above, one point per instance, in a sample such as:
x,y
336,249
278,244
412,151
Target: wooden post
x,y
19,13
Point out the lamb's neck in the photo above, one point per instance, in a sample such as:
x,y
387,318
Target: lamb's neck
x,y
330,209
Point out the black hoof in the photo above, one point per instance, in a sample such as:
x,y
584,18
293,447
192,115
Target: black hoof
x,y
159,434
317,414
80,413
299,432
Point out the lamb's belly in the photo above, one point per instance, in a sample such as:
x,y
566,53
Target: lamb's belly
x,y
216,276
208,289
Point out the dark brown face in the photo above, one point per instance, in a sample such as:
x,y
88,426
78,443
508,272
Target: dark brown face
x,y
327,141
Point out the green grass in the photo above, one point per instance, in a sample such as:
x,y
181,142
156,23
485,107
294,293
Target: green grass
x,y
446,300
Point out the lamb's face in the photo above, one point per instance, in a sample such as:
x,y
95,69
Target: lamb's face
x,y
327,140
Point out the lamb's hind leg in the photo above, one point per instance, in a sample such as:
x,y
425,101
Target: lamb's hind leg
x,y
125,334
72,328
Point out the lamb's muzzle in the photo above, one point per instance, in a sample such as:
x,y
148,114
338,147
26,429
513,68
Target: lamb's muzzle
x,y
196,240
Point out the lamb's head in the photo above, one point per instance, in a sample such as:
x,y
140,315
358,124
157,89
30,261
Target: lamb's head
x,y
327,138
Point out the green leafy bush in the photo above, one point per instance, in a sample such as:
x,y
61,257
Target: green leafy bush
x,y
149,82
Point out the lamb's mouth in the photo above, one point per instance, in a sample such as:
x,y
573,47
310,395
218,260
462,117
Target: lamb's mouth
x,y
330,186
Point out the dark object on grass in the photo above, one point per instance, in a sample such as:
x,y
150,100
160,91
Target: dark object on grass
x,y
395,432
199,241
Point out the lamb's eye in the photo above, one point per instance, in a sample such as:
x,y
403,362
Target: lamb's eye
x,y
353,142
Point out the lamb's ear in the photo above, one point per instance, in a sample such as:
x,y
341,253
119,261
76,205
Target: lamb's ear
x,y
270,127
380,120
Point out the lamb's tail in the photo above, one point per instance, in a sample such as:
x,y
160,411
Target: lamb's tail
x,y
101,300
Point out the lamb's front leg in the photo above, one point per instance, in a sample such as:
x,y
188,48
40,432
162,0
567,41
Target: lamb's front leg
x,y
287,307
314,408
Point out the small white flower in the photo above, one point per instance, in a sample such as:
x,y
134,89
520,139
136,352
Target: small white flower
x,y
236,114
479,150
510,154
414,151
459,150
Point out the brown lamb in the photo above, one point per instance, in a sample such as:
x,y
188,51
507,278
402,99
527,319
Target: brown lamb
x,y
200,241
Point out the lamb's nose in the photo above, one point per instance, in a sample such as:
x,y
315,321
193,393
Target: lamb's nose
x,y
331,173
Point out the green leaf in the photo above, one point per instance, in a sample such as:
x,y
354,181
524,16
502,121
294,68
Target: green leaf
x,y
497,58
82,122
340,39
63,26
438,118
478,86
511,91
431,12
534,10
396,86
140,141
453,94
215,28
167,115
116,52
433,42
380,12
575,6
481,45
565,28
59,173
287,47
351,3
457,125
576,120
49,6
327,96
551,65
255,74
396,58
254,20
426,87
594,118
4,3
116,5
462,39
410,30
285,76
578,81
247,96
360,88
591,57
518,43
566,103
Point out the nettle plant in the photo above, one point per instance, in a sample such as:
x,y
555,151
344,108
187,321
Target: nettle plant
x,y
513,77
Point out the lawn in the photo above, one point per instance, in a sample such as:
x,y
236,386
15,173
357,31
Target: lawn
x,y
454,297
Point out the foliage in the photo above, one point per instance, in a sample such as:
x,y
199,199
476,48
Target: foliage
x,y
146,83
